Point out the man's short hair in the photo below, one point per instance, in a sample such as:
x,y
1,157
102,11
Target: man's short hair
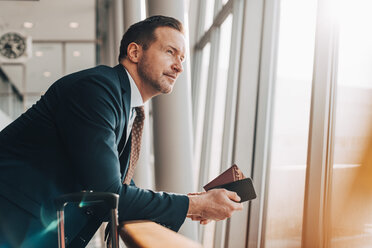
x,y
142,32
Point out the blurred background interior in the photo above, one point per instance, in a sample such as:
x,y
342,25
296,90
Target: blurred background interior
x,y
282,88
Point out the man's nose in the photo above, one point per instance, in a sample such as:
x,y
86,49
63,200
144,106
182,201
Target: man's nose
x,y
177,67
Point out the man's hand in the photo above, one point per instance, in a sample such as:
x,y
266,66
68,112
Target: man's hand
x,y
216,204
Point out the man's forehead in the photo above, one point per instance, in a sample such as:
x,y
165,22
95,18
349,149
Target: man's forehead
x,y
168,36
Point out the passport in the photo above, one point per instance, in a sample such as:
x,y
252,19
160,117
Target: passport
x,y
233,179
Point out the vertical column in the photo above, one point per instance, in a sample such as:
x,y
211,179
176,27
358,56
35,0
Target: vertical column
x,y
173,139
319,155
144,175
109,44
114,30
132,12
118,26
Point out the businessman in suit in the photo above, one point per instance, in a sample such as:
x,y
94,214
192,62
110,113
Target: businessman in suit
x,y
80,136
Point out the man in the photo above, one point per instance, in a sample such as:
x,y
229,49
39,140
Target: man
x,y
79,136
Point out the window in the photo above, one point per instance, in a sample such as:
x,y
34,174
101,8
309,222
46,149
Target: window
x,y
220,99
291,113
353,125
213,95
219,115
199,104
209,14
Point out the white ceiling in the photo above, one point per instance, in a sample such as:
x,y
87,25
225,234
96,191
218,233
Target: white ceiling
x,y
51,18
53,39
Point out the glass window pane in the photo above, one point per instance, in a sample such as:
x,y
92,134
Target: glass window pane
x,y
219,114
79,56
5,96
352,222
209,14
220,100
290,123
41,73
203,80
15,75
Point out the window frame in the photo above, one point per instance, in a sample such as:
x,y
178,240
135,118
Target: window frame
x,y
212,36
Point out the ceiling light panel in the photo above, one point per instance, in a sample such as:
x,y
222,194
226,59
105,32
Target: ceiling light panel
x,y
73,24
39,54
28,25
76,53
47,74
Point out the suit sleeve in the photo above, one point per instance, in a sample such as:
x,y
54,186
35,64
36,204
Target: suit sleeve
x,y
86,118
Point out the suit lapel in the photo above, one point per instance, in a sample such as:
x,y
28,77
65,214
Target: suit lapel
x,y
126,98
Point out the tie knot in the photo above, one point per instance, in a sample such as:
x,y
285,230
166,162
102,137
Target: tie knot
x,y
140,111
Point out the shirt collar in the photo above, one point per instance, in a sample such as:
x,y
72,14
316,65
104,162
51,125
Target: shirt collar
x,y
135,98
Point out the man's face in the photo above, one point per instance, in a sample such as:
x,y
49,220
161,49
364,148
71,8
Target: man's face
x,y
160,65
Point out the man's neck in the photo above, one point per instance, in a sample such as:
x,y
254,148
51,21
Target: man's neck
x,y
146,92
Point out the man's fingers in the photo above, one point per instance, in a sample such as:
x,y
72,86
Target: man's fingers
x,y
216,204
205,221
236,198
233,196
202,220
238,206
195,217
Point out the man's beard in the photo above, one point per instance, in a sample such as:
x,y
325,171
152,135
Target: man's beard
x,y
144,72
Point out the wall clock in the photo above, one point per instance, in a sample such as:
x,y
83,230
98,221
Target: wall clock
x,y
12,45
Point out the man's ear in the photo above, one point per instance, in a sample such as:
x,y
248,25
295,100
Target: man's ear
x,y
133,52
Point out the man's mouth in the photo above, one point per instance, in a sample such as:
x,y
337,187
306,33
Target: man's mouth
x,y
174,77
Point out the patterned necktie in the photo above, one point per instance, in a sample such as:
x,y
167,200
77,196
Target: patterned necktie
x,y
137,129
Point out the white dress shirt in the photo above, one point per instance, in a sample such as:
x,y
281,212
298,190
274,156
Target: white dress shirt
x,y
135,101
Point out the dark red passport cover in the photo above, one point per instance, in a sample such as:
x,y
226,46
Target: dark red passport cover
x,y
230,175
233,179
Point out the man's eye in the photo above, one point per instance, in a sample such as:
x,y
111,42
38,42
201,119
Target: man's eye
x,y
170,51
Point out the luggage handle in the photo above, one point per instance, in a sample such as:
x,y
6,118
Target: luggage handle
x,y
111,199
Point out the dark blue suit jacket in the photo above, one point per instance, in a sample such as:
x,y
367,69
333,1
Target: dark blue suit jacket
x,y
70,141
